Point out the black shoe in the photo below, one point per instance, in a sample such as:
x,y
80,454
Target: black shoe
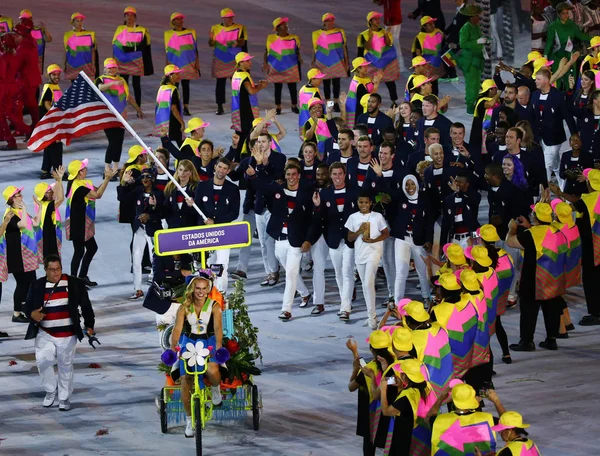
x,y
219,110
590,320
186,112
507,359
278,111
549,344
570,327
522,346
45,175
3,334
295,110
564,335
88,282
336,107
20,319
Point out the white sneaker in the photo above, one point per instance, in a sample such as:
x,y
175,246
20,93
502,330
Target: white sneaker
x,y
373,324
189,431
215,394
49,399
64,406
366,322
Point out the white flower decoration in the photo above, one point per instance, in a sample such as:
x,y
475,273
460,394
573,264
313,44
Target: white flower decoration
x,y
196,355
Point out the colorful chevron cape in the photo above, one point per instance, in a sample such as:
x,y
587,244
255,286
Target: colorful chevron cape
x,y
573,262
90,210
328,46
3,265
505,270
29,250
351,101
236,84
182,50
489,285
592,203
527,448
282,58
458,435
485,122
40,41
117,94
414,398
125,38
223,62
431,46
460,322
162,111
56,93
381,56
304,95
481,349
322,133
39,232
551,252
6,24
433,349
79,48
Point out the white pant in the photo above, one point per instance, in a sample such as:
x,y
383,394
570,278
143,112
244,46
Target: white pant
x,y
290,258
343,265
389,265
367,273
496,43
167,318
244,256
404,250
221,257
49,351
140,241
318,252
518,262
395,32
267,243
552,158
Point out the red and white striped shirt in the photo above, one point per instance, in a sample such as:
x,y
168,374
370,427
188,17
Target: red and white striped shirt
x,y
57,321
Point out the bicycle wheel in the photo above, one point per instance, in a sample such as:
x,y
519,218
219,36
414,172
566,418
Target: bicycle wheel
x,y
163,412
198,425
255,408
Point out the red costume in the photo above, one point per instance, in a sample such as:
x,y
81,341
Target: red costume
x,y
29,78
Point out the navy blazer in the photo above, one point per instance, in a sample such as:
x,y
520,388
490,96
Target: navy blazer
x,y
255,200
470,208
590,137
352,173
179,218
534,165
436,197
549,126
142,206
227,208
299,221
506,203
443,124
333,221
422,225
335,156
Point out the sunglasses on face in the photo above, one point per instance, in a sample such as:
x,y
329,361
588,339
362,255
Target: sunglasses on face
x,y
146,176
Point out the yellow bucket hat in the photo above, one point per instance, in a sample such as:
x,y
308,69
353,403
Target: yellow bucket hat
x,y
11,191
420,79
402,339
593,176
488,233
359,62
110,63
40,190
130,9
412,369
227,12
373,15
242,57
480,255
315,73
327,17
463,396
170,69
564,212
469,281
77,16
456,255
416,311
280,20
543,212
53,69
134,152
532,56
380,339
75,166
448,281
418,60
487,84
177,15
194,123
427,20
510,420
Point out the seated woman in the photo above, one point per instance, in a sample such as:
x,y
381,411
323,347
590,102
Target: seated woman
x,y
198,318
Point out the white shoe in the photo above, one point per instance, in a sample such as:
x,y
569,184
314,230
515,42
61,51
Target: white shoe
x,y
373,324
49,399
215,394
366,322
64,406
189,431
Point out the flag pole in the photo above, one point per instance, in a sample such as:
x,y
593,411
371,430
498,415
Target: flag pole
x,y
130,129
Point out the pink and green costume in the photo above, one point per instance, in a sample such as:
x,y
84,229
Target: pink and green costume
x,y
282,58
328,46
182,50
80,48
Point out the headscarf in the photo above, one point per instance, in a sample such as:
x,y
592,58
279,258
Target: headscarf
x,y
414,196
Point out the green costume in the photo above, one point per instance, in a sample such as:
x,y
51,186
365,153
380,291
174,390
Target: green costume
x,y
567,32
470,61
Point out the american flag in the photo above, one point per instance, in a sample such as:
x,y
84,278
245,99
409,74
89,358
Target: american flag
x,y
79,112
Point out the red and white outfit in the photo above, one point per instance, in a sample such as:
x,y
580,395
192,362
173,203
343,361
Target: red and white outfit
x,y
56,341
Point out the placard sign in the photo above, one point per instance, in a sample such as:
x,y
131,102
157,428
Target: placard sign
x,y
199,238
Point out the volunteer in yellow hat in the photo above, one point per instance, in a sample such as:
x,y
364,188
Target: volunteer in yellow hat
x,y
47,214
360,85
455,255
428,43
227,39
18,242
168,115
402,342
283,68
421,86
513,432
80,49
50,94
181,46
307,92
243,95
190,149
132,51
385,59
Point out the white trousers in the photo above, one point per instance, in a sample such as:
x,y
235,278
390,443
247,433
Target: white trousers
x,y
395,32
518,262
140,241
221,257
290,257
318,253
552,158
367,273
267,243
244,256
389,264
404,250
167,318
343,265
49,351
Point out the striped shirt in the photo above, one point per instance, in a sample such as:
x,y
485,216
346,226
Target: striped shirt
x,y
361,173
291,205
340,198
57,321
